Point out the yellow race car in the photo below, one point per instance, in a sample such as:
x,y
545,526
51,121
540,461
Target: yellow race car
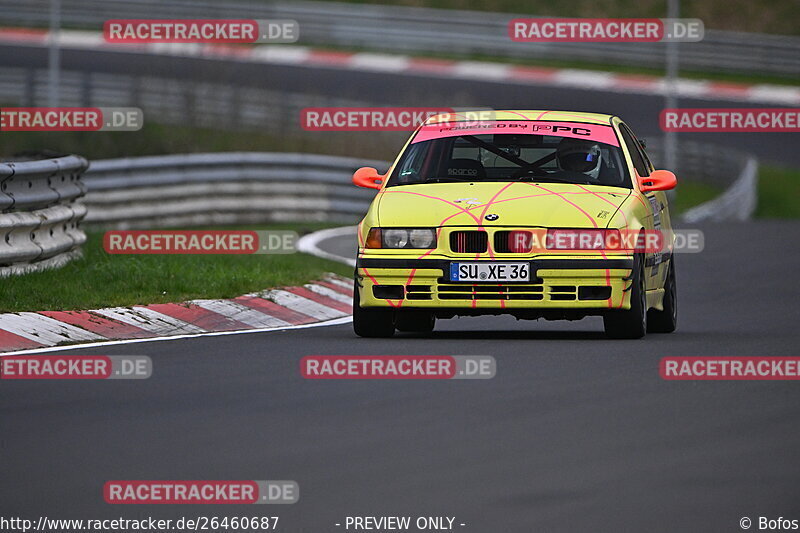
x,y
536,214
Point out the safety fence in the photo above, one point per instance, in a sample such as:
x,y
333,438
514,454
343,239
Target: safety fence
x,y
738,202
427,30
224,188
39,215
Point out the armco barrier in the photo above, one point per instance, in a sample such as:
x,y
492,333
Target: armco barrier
x,y
39,215
738,202
224,188
727,169
245,187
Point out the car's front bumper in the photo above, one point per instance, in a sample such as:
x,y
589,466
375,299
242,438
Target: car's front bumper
x,y
557,283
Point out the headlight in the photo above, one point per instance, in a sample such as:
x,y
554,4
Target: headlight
x,y
401,238
422,238
395,238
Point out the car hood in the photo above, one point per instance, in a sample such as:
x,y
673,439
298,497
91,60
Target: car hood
x,y
500,204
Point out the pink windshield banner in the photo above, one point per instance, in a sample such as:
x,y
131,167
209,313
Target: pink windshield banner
x,y
590,132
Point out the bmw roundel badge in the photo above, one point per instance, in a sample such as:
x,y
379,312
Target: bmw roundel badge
x,y
492,217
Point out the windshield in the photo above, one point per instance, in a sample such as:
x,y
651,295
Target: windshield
x,y
467,157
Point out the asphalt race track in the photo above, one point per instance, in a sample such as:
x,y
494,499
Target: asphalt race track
x,y
575,433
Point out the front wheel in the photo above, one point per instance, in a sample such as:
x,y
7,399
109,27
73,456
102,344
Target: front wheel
x,y
667,320
371,322
630,323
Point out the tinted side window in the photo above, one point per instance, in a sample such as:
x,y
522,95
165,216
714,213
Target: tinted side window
x,y
646,158
640,161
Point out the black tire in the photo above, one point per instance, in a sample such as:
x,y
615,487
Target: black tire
x,y
630,323
414,321
667,320
372,323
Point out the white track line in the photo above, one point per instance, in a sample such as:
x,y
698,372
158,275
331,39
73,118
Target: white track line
x,y
336,322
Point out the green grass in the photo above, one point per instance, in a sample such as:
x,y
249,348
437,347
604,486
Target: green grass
x,y
778,192
102,280
692,193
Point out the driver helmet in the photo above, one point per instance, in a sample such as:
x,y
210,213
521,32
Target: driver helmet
x,y
578,155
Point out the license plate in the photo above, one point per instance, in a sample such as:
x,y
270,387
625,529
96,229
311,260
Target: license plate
x,y
489,272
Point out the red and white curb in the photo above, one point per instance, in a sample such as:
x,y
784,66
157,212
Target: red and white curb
x,y
324,302
402,64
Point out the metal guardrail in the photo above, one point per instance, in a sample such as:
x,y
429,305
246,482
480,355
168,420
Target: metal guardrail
x,y
730,170
38,213
428,30
224,188
243,187
738,202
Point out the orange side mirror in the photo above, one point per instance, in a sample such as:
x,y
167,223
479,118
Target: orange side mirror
x,y
368,177
658,180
